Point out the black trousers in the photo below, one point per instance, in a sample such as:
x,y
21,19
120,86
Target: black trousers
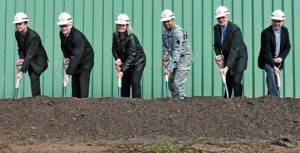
x,y
234,82
34,81
80,84
132,78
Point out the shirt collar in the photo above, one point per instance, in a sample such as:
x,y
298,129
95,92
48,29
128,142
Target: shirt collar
x,y
276,31
224,27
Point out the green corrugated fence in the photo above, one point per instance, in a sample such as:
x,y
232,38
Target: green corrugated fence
x,y
95,18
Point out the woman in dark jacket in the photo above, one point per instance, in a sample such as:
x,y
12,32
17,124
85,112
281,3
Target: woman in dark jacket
x,y
129,53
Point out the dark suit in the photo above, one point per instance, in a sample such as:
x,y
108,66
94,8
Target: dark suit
x,y
235,55
30,49
267,55
267,50
81,54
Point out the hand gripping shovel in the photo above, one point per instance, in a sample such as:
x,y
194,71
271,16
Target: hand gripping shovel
x,y
220,64
166,64
65,83
119,80
17,84
278,81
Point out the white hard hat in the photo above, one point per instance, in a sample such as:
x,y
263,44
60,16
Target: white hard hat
x,y
64,18
20,17
221,11
122,19
166,15
278,15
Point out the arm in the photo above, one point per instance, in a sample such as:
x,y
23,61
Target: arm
x,y
131,49
287,47
266,51
32,48
113,48
20,51
236,46
76,55
164,46
217,47
177,44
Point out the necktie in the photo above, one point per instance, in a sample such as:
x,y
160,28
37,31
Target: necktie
x,y
222,36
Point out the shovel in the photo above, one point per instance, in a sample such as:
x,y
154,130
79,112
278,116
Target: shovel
x,y
17,83
166,64
278,81
220,64
65,82
119,80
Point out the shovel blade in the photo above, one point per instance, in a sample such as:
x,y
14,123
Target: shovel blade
x,y
119,92
167,89
64,91
16,93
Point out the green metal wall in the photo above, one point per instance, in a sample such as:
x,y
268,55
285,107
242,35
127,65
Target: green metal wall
x,y
95,18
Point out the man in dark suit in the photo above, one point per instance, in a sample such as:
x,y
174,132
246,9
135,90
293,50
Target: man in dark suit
x,y
33,57
79,55
229,42
275,46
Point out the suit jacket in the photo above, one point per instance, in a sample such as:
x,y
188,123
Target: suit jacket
x,y
234,49
79,50
268,47
30,49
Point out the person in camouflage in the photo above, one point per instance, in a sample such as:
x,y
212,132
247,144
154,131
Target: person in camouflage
x,y
175,43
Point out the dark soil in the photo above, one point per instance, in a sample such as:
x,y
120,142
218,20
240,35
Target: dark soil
x,y
109,121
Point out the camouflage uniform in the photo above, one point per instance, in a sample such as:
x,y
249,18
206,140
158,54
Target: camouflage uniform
x,y
175,44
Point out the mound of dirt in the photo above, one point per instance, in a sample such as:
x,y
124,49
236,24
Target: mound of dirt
x,y
43,119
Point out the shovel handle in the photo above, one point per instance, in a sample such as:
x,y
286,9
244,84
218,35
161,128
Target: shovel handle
x,y
278,80
17,83
278,76
65,70
119,68
219,62
165,63
18,80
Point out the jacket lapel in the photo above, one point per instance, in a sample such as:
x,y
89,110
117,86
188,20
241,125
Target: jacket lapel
x,y
282,39
228,30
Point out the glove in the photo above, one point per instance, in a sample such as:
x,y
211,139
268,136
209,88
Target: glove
x,y
118,62
19,76
66,61
20,61
218,58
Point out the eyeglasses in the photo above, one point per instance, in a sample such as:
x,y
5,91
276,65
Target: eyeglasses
x,y
277,21
19,23
63,26
223,17
164,22
121,25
